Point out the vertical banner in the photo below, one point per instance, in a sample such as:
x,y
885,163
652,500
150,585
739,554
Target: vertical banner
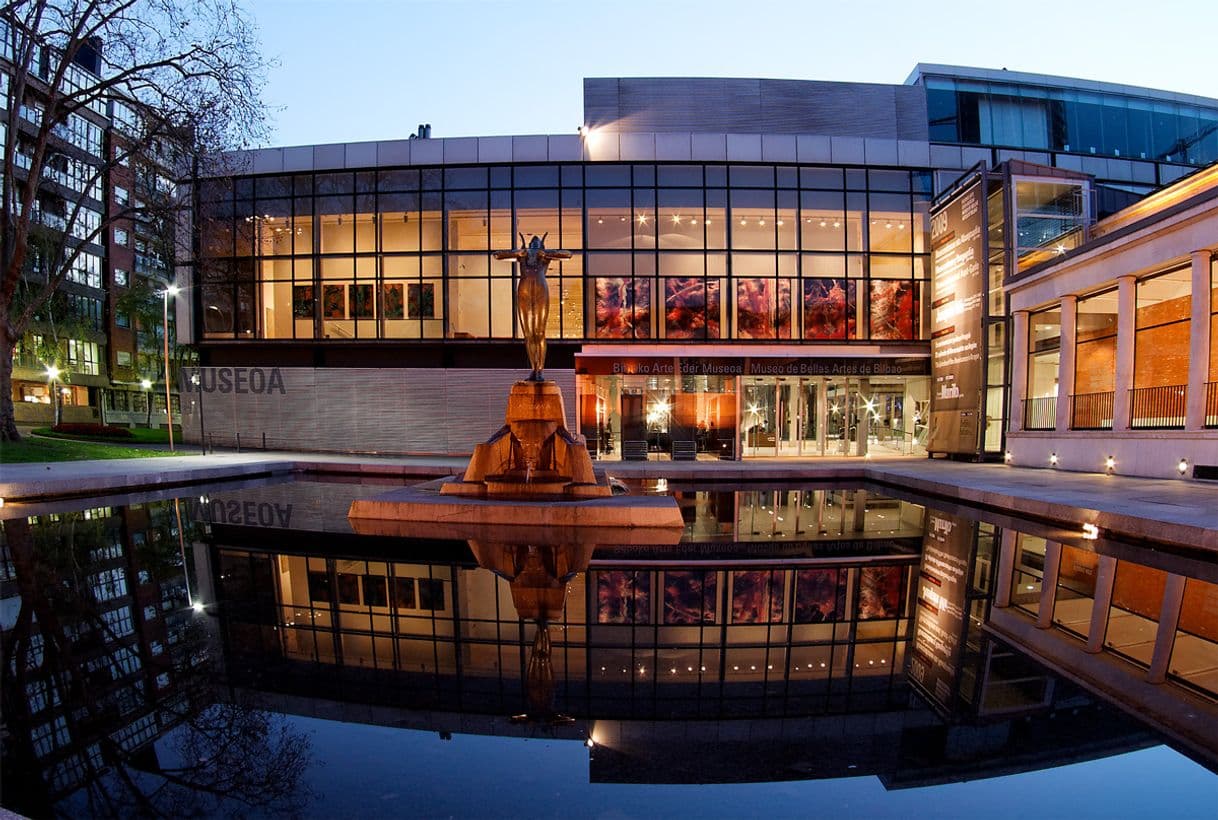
x,y
957,235
940,618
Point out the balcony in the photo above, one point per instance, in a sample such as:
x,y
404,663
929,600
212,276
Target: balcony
x,y
1092,411
1040,413
1158,408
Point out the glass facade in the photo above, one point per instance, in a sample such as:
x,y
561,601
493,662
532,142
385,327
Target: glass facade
x,y
1073,120
685,253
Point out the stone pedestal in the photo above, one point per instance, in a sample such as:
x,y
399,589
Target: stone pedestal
x,y
533,455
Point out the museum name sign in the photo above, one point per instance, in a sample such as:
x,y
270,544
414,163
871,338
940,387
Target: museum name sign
x,y
242,380
749,366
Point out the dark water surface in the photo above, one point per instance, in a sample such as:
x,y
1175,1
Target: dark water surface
x,y
240,650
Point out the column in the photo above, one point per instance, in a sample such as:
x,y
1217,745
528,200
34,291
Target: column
x,y
1065,370
1105,578
1165,637
1006,568
860,511
822,414
863,416
1048,584
738,437
1199,342
1127,306
1019,369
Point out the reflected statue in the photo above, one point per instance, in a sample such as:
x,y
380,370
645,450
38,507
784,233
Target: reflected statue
x,y
533,297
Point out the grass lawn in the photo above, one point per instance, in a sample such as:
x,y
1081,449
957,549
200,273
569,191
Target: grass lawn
x,y
36,448
139,435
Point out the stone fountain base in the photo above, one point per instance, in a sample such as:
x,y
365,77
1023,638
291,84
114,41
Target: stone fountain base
x,y
533,456
532,473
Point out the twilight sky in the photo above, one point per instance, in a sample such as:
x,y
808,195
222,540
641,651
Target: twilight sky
x,y
352,70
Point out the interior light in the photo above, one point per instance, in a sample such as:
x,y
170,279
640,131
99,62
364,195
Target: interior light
x,y
822,223
837,224
743,222
1091,532
590,743
676,219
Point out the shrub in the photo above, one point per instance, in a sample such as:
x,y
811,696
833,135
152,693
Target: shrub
x,y
90,429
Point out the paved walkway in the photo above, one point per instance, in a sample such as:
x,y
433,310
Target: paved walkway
x,y
1181,511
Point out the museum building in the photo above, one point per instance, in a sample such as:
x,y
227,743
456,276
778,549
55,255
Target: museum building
x,y
750,272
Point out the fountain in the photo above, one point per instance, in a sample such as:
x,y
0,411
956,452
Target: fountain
x,y
533,457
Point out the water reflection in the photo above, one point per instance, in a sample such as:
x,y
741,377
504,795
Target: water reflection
x,y
110,681
791,634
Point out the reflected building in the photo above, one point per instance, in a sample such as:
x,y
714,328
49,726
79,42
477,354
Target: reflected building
x,y
748,279
888,637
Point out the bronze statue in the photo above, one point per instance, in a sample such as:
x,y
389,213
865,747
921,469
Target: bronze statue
x,y
533,297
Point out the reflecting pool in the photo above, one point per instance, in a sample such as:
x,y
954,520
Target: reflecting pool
x,y
240,650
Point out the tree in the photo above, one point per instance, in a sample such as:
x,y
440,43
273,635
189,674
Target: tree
x,y
180,79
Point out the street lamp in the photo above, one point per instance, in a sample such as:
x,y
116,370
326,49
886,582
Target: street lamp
x,y
52,375
172,290
146,384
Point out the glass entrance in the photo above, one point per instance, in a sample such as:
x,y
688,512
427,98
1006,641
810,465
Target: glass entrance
x,y
800,416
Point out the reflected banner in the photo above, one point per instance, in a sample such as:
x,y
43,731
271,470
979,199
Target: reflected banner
x,y
939,625
957,259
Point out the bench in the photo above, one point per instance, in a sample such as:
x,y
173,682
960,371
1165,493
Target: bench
x,y
684,451
634,451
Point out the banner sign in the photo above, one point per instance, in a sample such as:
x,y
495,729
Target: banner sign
x,y
750,366
957,346
939,620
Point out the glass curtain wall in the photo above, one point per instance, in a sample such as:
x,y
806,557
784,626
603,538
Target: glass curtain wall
x,y
668,252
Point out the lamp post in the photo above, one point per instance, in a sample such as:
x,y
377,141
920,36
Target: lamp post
x,y
52,375
171,290
146,384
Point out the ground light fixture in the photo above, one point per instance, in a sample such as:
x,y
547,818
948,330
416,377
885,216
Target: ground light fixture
x,y
1182,467
1109,463
1007,456
1053,459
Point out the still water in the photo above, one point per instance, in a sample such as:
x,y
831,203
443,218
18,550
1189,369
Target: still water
x,y
241,651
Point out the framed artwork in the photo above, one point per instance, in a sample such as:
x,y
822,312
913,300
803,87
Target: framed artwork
x,y
348,588
304,301
881,592
392,303
757,596
763,308
333,302
623,597
421,300
829,309
892,309
689,597
685,308
623,308
820,595
362,304
375,593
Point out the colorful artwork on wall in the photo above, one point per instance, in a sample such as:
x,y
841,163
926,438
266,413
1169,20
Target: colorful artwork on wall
x,y
892,309
820,595
763,308
421,301
623,597
685,308
881,593
689,597
391,301
829,306
304,301
623,308
757,596
333,302
362,304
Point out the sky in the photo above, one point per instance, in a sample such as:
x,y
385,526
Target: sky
x,y
354,70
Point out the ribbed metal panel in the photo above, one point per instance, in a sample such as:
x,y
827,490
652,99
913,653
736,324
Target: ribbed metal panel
x,y
746,106
399,410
